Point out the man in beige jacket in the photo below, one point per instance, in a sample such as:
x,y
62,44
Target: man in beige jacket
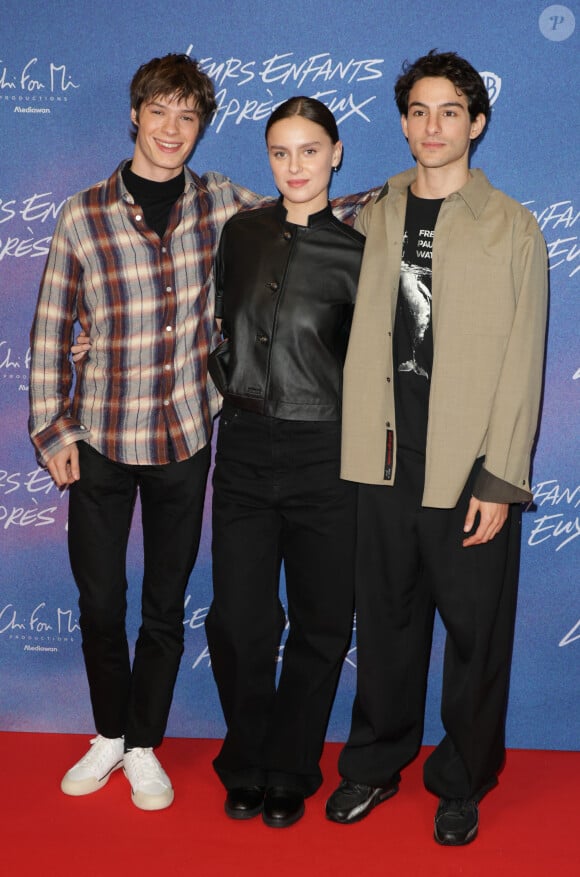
x,y
441,396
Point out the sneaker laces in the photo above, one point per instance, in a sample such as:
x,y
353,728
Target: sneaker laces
x,y
144,767
349,788
458,806
102,751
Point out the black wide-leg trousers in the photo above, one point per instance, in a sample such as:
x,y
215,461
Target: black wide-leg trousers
x,y
277,498
410,561
134,699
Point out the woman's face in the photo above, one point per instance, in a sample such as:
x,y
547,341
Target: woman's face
x,y
302,156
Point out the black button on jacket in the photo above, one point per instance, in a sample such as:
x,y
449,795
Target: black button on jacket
x,y
286,294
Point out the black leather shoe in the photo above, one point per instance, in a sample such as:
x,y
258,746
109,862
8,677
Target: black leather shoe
x,y
244,803
282,807
456,822
351,802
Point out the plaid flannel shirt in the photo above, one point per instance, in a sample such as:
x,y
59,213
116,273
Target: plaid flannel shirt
x,y
148,307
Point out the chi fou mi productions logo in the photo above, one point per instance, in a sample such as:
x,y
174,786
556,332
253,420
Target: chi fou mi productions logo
x,y
493,84
35,84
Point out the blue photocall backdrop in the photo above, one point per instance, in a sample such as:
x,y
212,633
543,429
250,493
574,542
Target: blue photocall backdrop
x,y
65,70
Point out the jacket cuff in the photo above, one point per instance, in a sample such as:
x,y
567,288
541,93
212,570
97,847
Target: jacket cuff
x,y
490,488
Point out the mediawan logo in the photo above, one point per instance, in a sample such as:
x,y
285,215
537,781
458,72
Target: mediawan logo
x,y
36,85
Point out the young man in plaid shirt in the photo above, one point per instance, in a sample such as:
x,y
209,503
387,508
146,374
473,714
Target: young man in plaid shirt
x,y
131,261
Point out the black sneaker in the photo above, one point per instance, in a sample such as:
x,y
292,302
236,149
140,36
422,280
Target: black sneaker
x,y
456,822
353,801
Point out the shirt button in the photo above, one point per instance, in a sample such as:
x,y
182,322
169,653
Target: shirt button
x,y
166,402
138,217
273,285
388,380
168,289
261,338
163,249
167,367
287,235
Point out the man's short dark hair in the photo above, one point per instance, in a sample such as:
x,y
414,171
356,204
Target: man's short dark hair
x,y
177,76
451,66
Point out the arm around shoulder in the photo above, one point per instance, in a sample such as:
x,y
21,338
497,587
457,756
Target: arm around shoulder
x,y
363,218
241,196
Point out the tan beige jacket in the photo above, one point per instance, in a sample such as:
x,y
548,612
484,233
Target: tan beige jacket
x,y
488,317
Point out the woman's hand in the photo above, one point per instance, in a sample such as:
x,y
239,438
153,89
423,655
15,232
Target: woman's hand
x,y
81,348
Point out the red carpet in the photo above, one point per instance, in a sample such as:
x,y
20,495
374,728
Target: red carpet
x,y
529,825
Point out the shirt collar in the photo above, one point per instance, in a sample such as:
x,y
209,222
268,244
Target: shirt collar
x,y
475,193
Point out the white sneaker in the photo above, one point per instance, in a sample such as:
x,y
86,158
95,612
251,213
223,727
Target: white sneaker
x,y
92,772
150,786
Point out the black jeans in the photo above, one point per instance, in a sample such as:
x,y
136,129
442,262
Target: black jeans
x,y
277,497
410,560
134,700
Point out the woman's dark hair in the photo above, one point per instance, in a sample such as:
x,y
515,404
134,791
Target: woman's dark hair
x,y
177,76
308,108
451,66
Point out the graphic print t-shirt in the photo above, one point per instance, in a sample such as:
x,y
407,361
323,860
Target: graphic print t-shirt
x,y
413,335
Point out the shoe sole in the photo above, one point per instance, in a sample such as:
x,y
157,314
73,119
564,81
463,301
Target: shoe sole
x,y
152,802
243,814
350,820
272,822
447,842
78,788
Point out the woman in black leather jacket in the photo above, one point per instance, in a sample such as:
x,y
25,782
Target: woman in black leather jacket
x,y
286,278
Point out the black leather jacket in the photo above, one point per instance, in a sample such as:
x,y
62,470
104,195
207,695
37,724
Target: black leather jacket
x,y
286,293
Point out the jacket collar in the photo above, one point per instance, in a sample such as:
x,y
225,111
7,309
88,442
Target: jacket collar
x,y
314,220
475,193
